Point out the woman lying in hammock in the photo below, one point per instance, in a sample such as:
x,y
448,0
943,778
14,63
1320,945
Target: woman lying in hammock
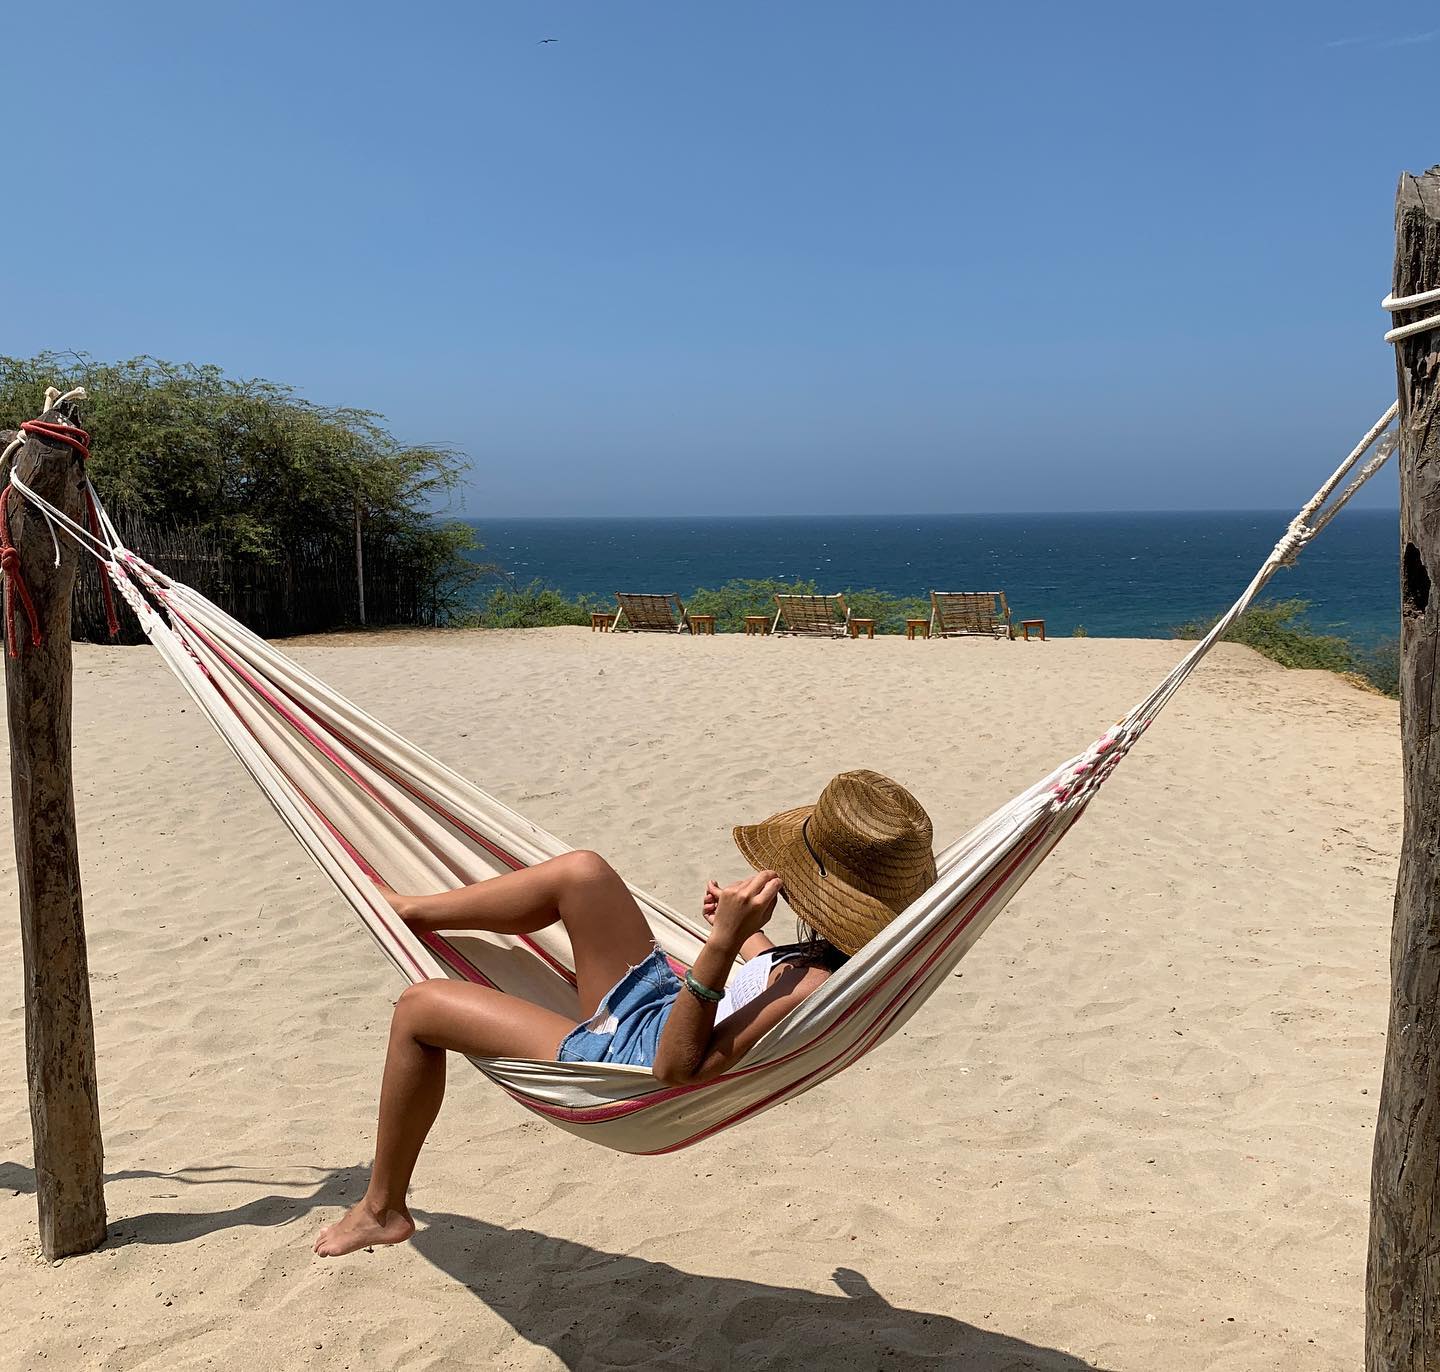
x,y
846,866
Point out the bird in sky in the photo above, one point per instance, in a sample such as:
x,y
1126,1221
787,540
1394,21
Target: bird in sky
x,y
547,40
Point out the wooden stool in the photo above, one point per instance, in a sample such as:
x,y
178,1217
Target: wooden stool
x,y
757,624
859,626
917,626
1037,624
702,624
602,621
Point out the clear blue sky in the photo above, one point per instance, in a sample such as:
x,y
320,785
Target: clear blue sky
x,y
799,257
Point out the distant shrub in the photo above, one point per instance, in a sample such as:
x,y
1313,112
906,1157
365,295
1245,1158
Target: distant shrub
x,y
734,600
1080,631
1380,667
534,606
888,611
1279,631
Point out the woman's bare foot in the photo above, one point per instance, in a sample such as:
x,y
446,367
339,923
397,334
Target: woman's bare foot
x,y
400,904
361,1227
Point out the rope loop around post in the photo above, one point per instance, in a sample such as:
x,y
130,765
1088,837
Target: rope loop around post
x,y
1394,303
78,439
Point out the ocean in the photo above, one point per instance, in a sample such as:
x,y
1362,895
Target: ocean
x,y
1118,575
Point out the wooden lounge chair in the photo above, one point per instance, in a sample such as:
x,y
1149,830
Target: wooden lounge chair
x,y
818,616
970,612
650,614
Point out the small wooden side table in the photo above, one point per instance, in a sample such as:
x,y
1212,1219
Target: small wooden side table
x,y
862,626
757,624
1037,624
601,621
702,624
917,626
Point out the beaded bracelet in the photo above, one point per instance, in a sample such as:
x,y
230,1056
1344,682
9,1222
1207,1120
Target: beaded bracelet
x,y
700,990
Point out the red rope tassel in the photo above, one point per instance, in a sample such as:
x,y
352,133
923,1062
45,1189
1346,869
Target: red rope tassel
x,y
14,583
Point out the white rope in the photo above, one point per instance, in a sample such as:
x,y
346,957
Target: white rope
x,y
20,486
53,515
1083,779
1392,303
1338,475
53,397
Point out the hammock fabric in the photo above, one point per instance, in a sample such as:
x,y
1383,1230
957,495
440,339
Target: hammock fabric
x,y
365,803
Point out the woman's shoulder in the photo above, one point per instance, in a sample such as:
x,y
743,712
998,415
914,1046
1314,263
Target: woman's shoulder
x,y
796,969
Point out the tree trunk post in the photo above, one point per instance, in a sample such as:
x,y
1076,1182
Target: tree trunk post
x,y
1402,1298
59,1030
359,562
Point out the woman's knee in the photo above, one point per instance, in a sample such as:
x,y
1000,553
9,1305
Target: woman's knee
x,y
583,867
416,1005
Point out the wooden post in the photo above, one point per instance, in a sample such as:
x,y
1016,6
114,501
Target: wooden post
x,y
359,562
59,1032
1402,1305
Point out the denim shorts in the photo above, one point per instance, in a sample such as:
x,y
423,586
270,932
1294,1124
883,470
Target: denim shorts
x,y
626,1027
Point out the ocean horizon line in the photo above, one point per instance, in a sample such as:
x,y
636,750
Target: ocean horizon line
x,y
1280,512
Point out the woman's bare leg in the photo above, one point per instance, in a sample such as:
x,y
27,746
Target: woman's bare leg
x,y
431,1019
607,931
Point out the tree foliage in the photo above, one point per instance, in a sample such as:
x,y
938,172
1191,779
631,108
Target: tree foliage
x,y
249,462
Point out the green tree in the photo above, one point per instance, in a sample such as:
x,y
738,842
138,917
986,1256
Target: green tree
x,y
251,464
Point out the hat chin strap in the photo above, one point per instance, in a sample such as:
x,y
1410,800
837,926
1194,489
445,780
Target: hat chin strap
x,y
805,834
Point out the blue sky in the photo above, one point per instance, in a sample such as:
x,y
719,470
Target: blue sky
x,y
743,257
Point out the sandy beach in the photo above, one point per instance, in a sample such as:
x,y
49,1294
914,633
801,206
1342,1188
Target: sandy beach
x,y
1135,1133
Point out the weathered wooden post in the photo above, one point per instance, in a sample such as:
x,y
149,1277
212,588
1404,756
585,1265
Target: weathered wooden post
x,y
59,1032
1402,1307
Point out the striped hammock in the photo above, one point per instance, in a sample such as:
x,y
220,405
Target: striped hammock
x,y
365,803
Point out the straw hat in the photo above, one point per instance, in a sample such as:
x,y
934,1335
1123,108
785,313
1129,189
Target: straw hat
x,y
852,861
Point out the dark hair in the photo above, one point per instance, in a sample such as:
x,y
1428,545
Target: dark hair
x,y
818,949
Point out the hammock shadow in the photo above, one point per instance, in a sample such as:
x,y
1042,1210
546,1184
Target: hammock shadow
x,y
593,1308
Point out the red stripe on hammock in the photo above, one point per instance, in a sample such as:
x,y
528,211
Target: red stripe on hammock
x,y
349,847
456,959
515,864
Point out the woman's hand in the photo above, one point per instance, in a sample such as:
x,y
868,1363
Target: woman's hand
x,y
751,947
743,908
712,899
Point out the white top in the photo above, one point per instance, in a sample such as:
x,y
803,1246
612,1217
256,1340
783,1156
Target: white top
x,y
752,979
745,985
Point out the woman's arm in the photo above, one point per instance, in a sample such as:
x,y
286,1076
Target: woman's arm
x,y
740,1032
740,912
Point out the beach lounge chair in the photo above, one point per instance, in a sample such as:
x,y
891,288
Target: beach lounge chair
x,y
650,614
969,612
819,616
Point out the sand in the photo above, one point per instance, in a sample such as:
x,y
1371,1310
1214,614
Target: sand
x,y
1135,1134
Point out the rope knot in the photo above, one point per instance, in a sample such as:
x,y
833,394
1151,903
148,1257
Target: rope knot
x,y
1288,548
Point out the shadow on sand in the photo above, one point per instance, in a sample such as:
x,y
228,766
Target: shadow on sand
x,y
595,1309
